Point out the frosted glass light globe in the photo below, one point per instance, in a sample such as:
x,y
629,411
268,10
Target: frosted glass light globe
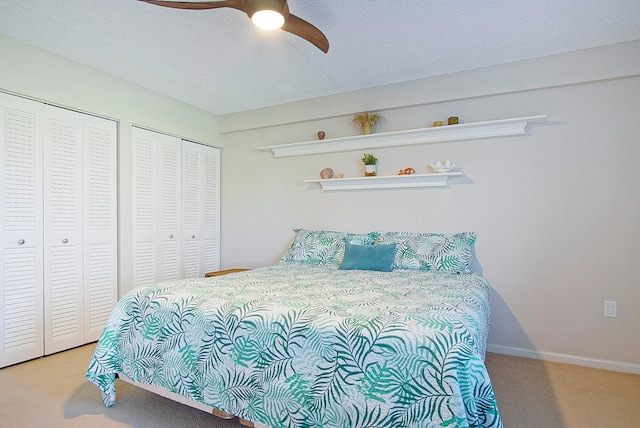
x,y
268,19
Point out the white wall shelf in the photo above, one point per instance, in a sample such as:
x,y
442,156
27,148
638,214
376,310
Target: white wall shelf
x,y
412,181
464,131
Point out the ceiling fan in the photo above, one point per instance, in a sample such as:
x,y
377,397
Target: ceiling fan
x,y
259,11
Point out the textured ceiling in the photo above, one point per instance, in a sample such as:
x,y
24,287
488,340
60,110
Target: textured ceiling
x,y
218,61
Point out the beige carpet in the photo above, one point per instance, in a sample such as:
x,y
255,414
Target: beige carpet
x,y
52,392
537,394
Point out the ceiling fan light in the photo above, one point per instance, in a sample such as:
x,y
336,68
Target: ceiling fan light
x,y
267,19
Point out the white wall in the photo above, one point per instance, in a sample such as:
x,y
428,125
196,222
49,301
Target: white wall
x,y
33,73
556,211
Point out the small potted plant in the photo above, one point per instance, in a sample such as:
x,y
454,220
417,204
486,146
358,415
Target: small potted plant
x,y
367,122
370,162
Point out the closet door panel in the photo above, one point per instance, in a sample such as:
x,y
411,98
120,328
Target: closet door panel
x,y
201,201
145,202
100,259
63,230
156,207
21,211
169,221
192,214
211,209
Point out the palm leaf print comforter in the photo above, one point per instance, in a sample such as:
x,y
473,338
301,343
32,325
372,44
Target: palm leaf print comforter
x,y
296,345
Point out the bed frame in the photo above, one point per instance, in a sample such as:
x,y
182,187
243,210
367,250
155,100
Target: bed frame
x,y
191,403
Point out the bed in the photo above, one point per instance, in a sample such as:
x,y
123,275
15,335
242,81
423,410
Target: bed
x,y
385,329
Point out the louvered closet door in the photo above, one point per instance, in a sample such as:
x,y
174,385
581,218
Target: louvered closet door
x,y
211,209
100,223
144,215
200,196
21,211
169,209
63,230
192,214
80,227
156,207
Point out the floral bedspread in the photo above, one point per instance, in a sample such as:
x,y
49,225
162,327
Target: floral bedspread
x,y
296,345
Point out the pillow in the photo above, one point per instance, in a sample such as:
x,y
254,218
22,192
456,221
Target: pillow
x,y
322,247
369,257
431,251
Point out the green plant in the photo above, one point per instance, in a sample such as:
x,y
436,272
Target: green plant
x,y
366,122
369,159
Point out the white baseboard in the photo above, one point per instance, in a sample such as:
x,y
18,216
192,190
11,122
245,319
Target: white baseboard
x,y
566,358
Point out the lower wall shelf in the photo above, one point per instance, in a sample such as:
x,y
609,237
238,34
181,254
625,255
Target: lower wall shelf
x,y
412,181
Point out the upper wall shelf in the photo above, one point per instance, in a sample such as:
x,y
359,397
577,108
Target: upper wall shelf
x,y
464,131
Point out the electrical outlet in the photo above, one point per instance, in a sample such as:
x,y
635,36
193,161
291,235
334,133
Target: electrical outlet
x,y
610,309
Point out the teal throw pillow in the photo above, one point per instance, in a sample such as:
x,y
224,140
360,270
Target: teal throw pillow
x,y
368,257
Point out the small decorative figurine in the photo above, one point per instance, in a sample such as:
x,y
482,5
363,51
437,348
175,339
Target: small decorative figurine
x,y
321,135
406,171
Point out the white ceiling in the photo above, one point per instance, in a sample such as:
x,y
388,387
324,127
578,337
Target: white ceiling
x,y
218,61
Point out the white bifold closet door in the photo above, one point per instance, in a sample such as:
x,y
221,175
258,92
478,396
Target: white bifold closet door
x,y
175,208
156,207
80,227
201,209
21,214
58,215
100,190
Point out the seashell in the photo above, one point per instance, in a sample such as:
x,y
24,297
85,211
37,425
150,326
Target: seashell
x,y
406,171
326,173
440,166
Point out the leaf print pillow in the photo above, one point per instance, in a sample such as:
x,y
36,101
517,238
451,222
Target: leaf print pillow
x,y
431,251
322,247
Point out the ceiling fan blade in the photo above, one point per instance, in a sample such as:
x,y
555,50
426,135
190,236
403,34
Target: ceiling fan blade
x,y
235,4
307,31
